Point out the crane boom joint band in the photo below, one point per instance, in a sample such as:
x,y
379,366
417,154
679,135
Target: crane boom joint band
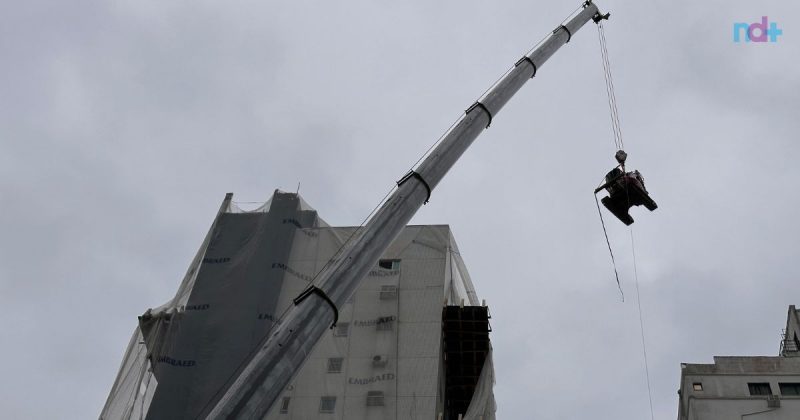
x,y
319,292
528,59
414,174
569,34
478,104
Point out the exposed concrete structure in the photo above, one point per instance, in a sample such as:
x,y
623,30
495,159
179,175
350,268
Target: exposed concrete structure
x,y
748,387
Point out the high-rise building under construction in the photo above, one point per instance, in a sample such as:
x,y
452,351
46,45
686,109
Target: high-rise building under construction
x,y
411,343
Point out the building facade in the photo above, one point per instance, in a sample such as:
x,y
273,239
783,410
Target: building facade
x,y
749,387
411,343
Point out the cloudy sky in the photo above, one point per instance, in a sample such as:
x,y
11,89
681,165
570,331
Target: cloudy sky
x,y
124,123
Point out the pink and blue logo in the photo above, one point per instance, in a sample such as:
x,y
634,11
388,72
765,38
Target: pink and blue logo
x,y
756,32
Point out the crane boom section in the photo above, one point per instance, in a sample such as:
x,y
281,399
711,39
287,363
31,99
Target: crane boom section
x,y
273,364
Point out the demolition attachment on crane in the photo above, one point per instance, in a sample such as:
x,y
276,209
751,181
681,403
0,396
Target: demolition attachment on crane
x,y
625,190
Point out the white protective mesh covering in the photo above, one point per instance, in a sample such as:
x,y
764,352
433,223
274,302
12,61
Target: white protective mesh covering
x,y
255,207
459,282
135,384
134,387
483,406
383,361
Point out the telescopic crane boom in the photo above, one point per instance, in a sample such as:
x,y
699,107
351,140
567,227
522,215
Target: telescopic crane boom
x,y
281,354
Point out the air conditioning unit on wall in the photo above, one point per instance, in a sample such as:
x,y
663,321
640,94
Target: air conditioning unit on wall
x,y
773,401
380,361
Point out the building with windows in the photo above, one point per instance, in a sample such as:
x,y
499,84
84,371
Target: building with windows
x,y
411,343
749,387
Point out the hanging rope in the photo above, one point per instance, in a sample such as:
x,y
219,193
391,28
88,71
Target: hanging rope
x,y
613,262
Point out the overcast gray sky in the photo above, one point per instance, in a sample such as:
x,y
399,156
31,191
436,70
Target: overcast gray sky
x,y
124,123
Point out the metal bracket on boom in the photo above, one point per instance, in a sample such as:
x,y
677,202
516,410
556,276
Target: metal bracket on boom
x,y
415,174
598,17
317,291
569,34
528,59
477,104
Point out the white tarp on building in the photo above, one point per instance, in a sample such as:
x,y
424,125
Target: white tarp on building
x,y
383,361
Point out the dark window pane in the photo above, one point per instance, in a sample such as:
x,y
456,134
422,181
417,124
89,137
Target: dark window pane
x,y
389,264
759,388
375,398
327,404
335,364
788,388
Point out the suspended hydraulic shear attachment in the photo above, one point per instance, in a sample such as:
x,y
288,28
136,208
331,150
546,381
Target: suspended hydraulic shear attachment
x,y
625,190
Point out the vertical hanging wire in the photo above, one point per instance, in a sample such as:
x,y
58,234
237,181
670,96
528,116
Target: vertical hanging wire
x,y
641,325
617,130
611,83
612,98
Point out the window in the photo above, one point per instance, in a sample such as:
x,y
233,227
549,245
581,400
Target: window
x,y
327,404
375,399
388,292
796,342
789,388
285,405
385,323
389,264
759,388
342,329
697,386
335,364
